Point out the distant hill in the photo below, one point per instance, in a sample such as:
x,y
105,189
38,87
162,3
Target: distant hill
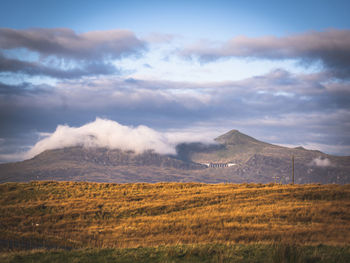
x,y
98,165
240,157
257,161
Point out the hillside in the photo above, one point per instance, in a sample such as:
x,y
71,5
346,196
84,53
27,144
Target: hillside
x,y
250,161
98,165
80,215
257,161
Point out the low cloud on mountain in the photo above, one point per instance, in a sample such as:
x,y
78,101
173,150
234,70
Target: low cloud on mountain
x,y
105,133
321,162
112,135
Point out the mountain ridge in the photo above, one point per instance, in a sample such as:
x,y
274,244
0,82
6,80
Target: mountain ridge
x,y
235,137
250,160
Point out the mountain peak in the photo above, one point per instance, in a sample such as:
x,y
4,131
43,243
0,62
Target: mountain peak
x,y
235,137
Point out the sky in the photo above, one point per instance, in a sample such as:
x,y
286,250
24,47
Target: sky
x,y
173,70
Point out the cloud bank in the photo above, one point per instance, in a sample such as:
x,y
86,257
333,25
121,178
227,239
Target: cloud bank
x,y
113,135
40,69
63,54
105,133
331,47
65,43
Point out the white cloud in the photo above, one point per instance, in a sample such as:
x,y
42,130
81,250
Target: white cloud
x,y
105,133
167,66
321,162
112,135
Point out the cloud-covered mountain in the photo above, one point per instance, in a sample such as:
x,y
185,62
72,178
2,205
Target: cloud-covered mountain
x,y
235,157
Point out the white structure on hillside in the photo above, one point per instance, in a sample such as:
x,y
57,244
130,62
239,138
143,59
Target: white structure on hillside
x,y
219,165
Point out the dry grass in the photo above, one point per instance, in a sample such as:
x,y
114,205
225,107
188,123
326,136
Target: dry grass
x,y
130,215
201,253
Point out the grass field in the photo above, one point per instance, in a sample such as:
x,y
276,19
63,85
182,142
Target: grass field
x,y
188,253
172,216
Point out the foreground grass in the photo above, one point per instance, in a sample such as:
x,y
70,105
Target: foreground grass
x,y
94,215
189,253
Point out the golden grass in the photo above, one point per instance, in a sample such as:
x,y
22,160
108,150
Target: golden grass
x,y
129,215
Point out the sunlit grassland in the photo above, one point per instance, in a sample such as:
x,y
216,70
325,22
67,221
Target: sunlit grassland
x,y
269,253
100,215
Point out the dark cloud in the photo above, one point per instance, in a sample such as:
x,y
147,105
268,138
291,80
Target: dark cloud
x,y
64,54
65,43
38,69
23,89
331,48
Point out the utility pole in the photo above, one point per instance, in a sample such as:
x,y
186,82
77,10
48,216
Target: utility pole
x,y
293,168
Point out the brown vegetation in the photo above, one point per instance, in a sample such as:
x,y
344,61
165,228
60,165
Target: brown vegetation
x,y
79,214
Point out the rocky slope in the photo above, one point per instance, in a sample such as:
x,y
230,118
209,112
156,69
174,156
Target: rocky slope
x,y
258,161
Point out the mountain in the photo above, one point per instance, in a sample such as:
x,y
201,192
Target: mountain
x,y
235,157
256,161
232,147
98,165
234,137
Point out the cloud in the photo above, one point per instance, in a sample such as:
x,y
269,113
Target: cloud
x,y
110,134
64,54
24,88
299,109
267,97
65,43
38,69
160,38
321,162
105,133
331,48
